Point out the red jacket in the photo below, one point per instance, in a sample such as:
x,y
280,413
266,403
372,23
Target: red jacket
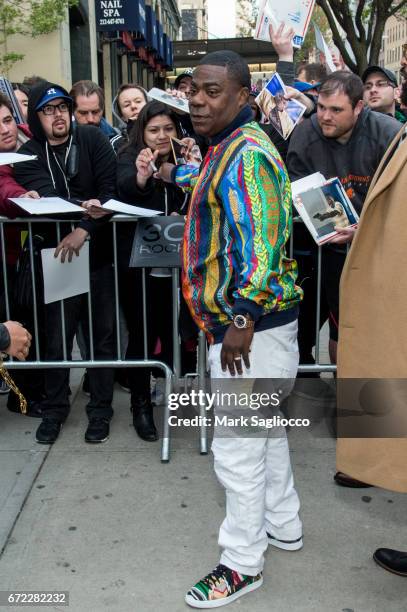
x,y
9,188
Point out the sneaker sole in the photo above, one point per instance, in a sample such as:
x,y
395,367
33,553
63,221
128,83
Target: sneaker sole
x,y
96,441
291,546
218,603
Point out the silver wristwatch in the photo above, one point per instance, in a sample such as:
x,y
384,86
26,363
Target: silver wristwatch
x,y
243,321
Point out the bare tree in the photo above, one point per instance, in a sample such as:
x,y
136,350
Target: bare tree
x,y
363,22
246,11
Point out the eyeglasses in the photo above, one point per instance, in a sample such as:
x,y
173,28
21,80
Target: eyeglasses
x,y
379,84
50,109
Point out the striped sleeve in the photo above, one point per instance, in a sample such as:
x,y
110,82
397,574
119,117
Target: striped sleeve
x,y
256,196
185,177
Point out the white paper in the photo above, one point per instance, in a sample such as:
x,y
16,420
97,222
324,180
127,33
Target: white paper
x,y
323,47
181,104
47,206
14,158
295,14
308,182
64,280
129,209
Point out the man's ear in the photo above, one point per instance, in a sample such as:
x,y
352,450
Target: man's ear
x,y
243,96
359,107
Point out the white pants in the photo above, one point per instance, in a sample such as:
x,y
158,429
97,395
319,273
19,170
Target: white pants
x,y
256,471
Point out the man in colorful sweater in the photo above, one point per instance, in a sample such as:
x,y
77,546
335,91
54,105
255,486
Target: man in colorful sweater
x,y
240,288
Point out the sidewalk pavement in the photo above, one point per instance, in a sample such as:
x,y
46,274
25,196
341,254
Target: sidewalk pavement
x,y
123,532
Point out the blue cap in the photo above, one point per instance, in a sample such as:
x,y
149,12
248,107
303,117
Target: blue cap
x,y
303,87
52,94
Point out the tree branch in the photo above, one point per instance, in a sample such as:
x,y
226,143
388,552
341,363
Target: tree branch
x,y
359,22
335,7
397,8
336,35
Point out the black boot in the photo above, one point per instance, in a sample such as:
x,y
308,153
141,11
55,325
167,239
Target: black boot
x,y
143,419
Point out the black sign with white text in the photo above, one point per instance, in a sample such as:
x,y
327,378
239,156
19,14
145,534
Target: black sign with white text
x,y
158,242
120,15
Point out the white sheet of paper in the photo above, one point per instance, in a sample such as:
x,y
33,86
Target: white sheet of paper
x,y
64,280
129,209
323,47
47,206
14,158
294,13
308,182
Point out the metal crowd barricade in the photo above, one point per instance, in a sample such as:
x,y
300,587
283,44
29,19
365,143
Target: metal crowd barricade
x,y
171,373
317,366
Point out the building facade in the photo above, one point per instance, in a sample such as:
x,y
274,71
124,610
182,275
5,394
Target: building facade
x,y
194,14
108,41
395,36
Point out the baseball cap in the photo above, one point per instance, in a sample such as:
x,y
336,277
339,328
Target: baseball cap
x,y
387,73
304,87
52,94
187,73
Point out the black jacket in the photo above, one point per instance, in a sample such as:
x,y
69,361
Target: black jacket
x,y
354,162
89,172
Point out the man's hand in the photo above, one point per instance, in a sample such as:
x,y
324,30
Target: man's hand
x,y
144,167
20,340
235,347
294,94
31,194
345,234
72,243
283,42
176,94
95,209
164,172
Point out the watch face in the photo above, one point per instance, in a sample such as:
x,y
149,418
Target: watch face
x,y
240,321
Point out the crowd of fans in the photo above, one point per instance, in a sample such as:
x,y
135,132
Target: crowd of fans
x,y
238,283
348,124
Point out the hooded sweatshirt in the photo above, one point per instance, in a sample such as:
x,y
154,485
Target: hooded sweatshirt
x,y
84,169
354,162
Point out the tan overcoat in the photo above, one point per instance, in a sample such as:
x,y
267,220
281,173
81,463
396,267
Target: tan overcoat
x,y
373,317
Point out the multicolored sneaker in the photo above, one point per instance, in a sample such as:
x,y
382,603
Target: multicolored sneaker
x,y
221,587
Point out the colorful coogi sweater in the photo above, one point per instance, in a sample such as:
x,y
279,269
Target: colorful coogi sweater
x,y
238,223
